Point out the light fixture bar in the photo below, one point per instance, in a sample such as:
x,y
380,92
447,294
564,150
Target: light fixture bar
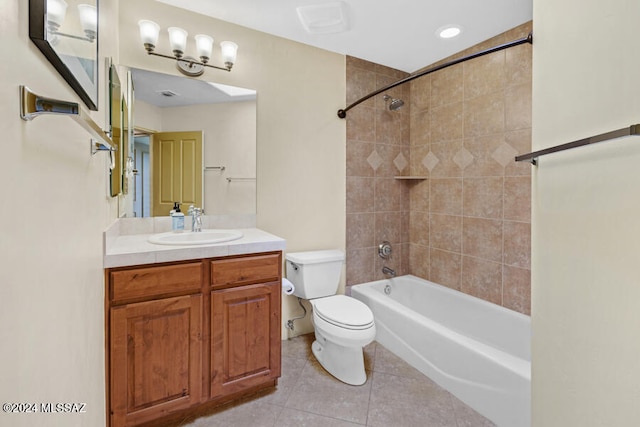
x,y
189,61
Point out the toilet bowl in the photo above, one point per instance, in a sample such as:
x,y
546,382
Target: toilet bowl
x,y
341,335
343,325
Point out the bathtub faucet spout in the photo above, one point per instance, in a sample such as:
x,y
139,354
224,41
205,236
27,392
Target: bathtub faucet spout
x,y
387,270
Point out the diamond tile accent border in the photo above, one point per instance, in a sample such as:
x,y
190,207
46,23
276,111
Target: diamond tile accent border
x,y
401,162
463,158
504,154
430,161
374,160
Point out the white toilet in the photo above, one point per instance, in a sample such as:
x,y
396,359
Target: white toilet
x,y
343,325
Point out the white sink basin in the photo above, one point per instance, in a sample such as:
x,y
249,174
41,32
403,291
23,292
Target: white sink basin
x,y
204,237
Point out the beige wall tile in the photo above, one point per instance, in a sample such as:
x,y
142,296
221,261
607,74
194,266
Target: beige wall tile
x,y
446,268
482,238
421,94
520,140
419,260
445,196
361,125
447,86
417,155
361,228
518,65
447,122
482,279
517,198
419,196
483,197
419,226
360,265
446,152
446,232
388,226
360,194
357,154
484,75
482,149
388,195
517,289
484,115
517,101
420,127
361,82
517,244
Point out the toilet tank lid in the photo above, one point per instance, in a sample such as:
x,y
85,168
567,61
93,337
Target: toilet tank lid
x,y
314,257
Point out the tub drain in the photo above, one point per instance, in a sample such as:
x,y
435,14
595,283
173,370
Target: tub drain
x,y
387,289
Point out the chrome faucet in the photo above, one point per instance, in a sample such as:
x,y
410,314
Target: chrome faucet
x,y
387,270
196,219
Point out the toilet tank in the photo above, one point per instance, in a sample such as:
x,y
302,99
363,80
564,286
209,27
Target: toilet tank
x,y
314,274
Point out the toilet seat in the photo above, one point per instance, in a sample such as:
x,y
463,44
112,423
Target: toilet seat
x,y
344,312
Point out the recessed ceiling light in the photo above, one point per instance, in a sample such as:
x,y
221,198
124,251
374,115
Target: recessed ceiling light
x,y
448,31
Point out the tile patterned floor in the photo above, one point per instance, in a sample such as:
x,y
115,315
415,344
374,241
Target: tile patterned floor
x,y
395,394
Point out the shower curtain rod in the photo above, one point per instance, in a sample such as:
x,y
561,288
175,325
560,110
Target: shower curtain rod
x,y
529,39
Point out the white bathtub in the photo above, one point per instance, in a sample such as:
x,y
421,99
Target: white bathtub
x,y
478,351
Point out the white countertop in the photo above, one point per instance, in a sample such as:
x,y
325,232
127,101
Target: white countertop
x,y
135,249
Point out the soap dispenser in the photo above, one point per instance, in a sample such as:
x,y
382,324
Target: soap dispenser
x,y
177,219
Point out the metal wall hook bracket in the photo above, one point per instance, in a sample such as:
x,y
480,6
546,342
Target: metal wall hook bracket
x,y
96,147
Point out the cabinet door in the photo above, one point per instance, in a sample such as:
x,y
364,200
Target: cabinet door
x,y
156,358
245,337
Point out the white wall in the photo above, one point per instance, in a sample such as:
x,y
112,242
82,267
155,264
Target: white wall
x,y
585,227
51,277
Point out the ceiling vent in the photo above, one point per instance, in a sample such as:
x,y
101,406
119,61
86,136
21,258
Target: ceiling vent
x,y
168,93
325,18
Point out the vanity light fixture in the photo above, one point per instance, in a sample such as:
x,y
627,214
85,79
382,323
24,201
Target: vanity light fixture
x,y
56,13
149,32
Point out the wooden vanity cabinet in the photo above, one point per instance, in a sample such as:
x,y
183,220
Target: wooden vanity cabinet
x,y
155,332
245,323
185,335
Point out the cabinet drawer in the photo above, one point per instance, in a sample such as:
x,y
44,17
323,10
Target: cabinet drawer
x,y
245,271
149,282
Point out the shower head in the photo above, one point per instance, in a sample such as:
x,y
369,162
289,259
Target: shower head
x,y
395,103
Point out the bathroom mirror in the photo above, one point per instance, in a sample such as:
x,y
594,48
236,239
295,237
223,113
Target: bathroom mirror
x,y
66,32
171,113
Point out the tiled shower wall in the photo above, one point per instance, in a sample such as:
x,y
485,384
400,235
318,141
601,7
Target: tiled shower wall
x,y
467,225
378,148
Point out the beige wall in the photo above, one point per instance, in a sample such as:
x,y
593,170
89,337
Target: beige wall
x,y
586,240
300,140
51,277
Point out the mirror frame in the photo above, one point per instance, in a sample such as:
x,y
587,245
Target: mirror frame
x,y
38,34
115,129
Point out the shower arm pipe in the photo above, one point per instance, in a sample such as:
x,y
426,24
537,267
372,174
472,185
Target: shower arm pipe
x,y
529,39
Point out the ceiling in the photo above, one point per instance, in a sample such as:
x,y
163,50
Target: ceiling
x,y
400,34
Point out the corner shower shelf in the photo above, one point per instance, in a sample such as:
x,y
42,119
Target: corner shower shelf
x,y
411,177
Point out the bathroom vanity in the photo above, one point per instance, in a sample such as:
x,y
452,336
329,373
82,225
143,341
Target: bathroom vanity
x,y
187,332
